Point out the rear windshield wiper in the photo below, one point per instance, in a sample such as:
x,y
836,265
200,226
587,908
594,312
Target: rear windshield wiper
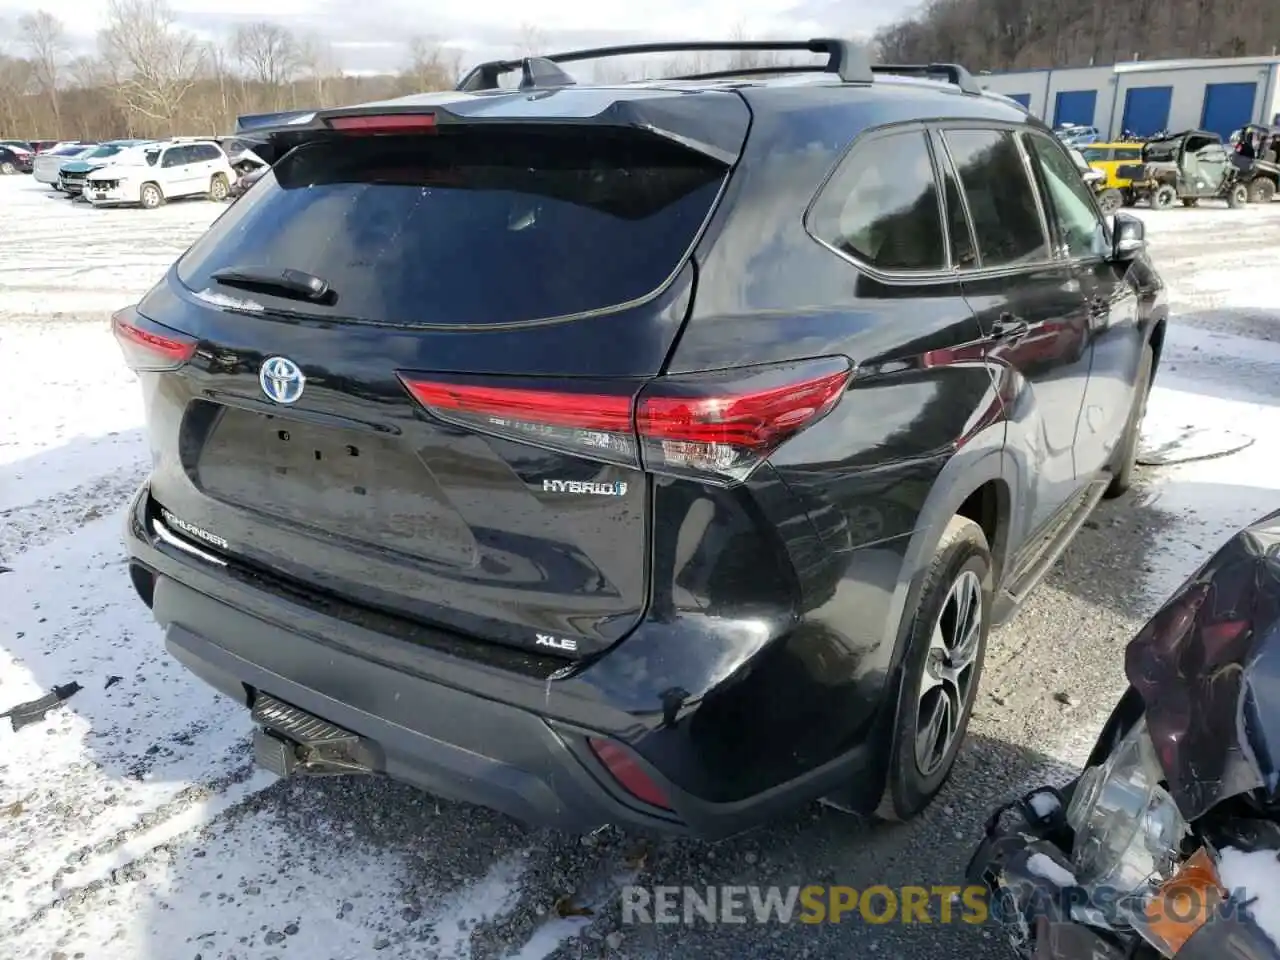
x,y
290,283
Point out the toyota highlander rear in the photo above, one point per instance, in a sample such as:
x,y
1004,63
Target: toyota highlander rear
x,y
412,435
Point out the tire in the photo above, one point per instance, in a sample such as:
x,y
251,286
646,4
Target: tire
x,y
219,188
8,168
1191,201
1237,196
961,565
1110,201
1126,453
1163,197
1262,190
150,196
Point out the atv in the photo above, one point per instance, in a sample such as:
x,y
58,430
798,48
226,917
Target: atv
x,y
1191,166
1257,160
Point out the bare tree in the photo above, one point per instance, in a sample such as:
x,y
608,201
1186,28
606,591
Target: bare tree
x,y
317,62
430,66
268,54
45,40
156,64
531,41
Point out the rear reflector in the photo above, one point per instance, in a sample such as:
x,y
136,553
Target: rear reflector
x,y
150,346
715,427
625,769
385,123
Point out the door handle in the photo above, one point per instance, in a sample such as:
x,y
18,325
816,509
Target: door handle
x,y
1009,327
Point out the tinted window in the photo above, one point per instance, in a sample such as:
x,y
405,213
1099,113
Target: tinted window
x,y
473,227
1000,197
1096,154
205,151
962,251
882,205
1069,201
174,157
1129,154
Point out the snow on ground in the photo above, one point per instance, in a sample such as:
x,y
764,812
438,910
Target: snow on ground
x,y
132,823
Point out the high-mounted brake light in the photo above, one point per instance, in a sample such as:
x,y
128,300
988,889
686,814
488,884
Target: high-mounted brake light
x,y
385,123
715,427
150,346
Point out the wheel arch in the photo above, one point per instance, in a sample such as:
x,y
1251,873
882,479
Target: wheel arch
x,y
978,482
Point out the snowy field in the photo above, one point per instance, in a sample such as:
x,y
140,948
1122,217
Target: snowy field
x,y
134,827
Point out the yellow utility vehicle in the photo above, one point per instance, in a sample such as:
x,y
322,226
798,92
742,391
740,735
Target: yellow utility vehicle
x,y
1109,158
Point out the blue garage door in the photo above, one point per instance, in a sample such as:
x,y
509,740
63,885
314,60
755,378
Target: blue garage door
x,y
1146,109
1075,106
1227,107
1022,98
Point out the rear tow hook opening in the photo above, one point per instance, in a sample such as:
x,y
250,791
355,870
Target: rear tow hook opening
x,y
289,741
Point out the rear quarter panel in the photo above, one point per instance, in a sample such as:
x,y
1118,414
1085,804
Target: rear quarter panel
x,y
878,478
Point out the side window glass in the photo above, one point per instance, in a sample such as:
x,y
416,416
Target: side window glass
x,y
962,253
881,206
1068,199
174,157
1001,199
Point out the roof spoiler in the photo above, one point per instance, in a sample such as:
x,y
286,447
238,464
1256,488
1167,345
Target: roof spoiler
x,y
251,122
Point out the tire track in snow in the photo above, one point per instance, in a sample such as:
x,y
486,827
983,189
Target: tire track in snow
x,y
25,528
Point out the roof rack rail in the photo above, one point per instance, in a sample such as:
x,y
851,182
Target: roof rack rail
x,y
952,72
844,58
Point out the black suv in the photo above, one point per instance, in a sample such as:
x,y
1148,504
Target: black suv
x,y
656,453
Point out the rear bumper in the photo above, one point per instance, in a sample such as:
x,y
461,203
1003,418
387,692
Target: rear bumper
x,y
446,741
461,729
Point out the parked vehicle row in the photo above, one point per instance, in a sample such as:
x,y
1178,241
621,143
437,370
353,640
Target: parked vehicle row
x,y
144,173
1191,166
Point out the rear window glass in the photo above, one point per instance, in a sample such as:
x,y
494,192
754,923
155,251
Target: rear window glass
x,y
467,227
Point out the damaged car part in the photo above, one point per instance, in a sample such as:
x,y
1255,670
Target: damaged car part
x,y
1145,854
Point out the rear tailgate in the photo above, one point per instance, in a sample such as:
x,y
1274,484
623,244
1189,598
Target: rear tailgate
x,y
446,434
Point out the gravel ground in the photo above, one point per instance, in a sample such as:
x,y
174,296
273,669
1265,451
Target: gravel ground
x,y
148,834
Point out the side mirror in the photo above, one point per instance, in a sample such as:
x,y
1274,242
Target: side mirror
x,y
1128,237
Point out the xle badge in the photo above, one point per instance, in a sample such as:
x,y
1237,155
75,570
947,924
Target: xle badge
x,y
556,643
617,489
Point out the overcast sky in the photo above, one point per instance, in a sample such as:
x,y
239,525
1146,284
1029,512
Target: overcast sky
x,y
369,35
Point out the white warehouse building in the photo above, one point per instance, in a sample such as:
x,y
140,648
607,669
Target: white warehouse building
x,y
1144,97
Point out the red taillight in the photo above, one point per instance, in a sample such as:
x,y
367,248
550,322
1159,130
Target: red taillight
x,y
717,427
625,769
595,420
727,423
385,123
149,346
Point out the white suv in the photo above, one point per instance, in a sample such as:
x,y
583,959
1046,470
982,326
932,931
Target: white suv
x,y
162,171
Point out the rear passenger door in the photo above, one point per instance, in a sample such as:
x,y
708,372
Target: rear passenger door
x,y
1110,299
1028,305
175,166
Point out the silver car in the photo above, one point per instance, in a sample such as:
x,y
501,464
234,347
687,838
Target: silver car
x,y
47,164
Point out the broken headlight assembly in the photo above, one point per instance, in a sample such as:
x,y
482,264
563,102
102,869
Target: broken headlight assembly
x,y
1128,830
1127,854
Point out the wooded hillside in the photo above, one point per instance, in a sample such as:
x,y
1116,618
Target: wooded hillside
x,y
1028,34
